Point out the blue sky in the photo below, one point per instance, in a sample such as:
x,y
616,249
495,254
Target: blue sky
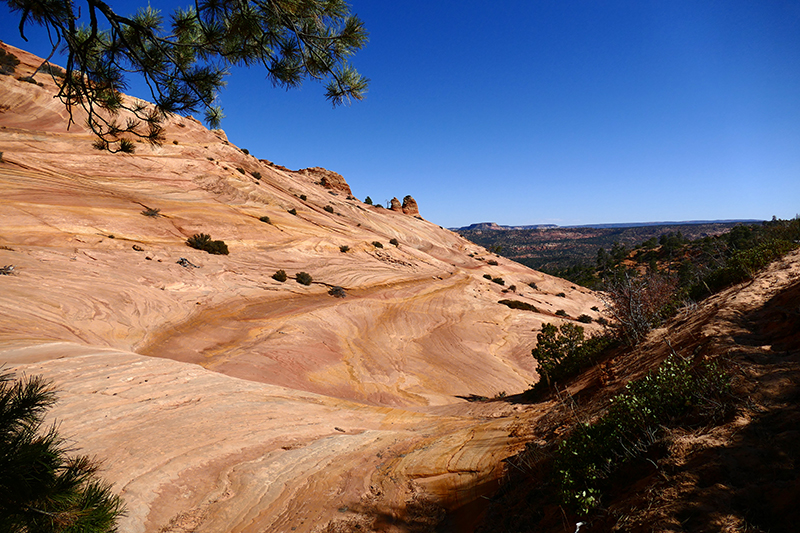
x,y
547,111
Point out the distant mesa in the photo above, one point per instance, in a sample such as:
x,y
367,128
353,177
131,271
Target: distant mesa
x,y
328,179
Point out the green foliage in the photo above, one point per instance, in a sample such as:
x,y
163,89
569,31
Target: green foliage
x,y
561,312
184,58
303,278
256,174
533,286
280,275
488,276
516,304
585,319
337,292
245,151
368,200
42,488
492,262
202,241
562,352
499,281
394,242
344,248
126,146
241,170
633,422
8,62
512,288
265,218
328,208
561,295
377,244
292,211
303,197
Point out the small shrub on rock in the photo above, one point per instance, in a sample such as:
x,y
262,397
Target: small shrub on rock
x,y
377,244
292,211
561,312
303,197
368,200
394,242
126,146
344,248
303,278
499,281
533,286
264,219
516,304
561,295
337,292
492,262
328,208
152,212
488,276
256,174
280,275
202,241
585,319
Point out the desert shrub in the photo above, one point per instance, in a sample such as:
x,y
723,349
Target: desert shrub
x,y
265,218
585,319
202,241
561,312
8,62
492,262
280,275
488,276
245,151
636,419
303,278
240,169
533,286
6,270
256,174
368,200
394,242
638,303
303,197
344,248
499,281
562,295
328,208
126,146
292,211
377,244
512,288
337,292
595,308
562,352
516,304
153,212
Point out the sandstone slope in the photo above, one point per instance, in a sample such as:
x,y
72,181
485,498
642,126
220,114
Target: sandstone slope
x,y
222,399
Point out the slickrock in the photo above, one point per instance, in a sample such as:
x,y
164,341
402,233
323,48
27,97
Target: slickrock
x,y
219,398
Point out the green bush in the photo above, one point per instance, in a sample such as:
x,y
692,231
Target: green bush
x,y
265,218
303,278
256,174
499,281
394,242
292,211
516,304
328,208
126,146
245,151
561,312
280,275
533,286
303,197
562,295
344,248
377,244
634,421
240,169
585,319
201,241
8,62
337,292
368,200
492,262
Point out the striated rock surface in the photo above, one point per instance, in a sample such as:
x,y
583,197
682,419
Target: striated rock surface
x,y
410,206
221,399
394,205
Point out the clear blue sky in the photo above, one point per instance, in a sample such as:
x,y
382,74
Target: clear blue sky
x,y
551,111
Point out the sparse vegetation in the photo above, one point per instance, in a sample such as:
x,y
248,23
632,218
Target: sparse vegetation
x,y
516,304
492,262
377,244
488,276
292,211
245,151
512,288
8,62
499,281
7,270
561,295
280,275
533,286
304,278
153,212
202,241
256,174
394,242
328,208
368,200
561,312
344,248
337,292
126,146
585,319
303,197
265,219
241,170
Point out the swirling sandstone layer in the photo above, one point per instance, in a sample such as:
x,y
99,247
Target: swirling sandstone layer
x,y
221,399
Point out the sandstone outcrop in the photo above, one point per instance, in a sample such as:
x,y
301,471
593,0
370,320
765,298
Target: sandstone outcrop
x,y
328,179
410,206
395,205
219,398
